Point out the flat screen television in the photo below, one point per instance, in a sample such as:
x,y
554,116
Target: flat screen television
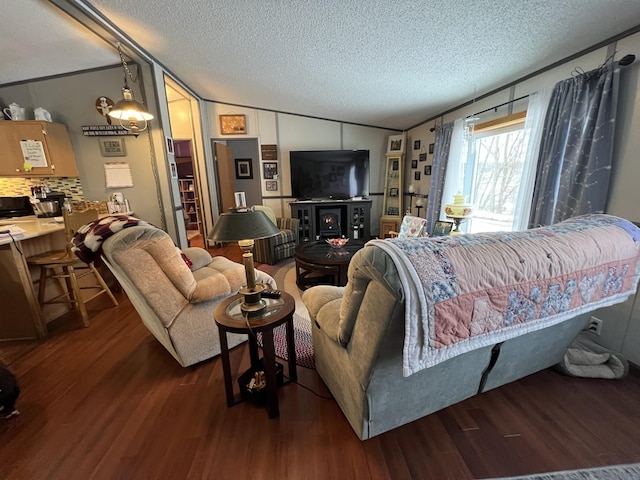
x,y
329,174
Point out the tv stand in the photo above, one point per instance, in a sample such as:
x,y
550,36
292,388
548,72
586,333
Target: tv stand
x,y
354,218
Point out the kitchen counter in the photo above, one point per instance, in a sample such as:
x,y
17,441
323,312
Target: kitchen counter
x,y
23,317
33,227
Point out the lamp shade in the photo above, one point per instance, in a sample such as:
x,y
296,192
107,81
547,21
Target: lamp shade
x,y
129,109
236,225
459,208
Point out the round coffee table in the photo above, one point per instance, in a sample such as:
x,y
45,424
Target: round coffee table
x,y
320,263
230,318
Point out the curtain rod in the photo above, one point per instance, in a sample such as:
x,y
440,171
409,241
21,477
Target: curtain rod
x,y
496,107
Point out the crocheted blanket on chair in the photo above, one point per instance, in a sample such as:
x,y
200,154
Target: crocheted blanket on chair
x,y
87,242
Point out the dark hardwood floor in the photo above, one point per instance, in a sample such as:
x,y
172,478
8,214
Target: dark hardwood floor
x,y
109,402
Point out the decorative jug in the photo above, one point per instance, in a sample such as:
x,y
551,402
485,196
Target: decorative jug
x,y
41,114
15,112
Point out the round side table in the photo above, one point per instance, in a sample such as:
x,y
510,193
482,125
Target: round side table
x,y
230,318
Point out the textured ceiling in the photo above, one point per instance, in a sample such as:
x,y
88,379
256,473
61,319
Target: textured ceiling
x,y
376,62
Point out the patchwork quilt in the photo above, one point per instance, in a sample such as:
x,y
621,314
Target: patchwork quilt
x,y
473,290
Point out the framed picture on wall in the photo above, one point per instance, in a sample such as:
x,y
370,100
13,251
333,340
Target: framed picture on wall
x,y
414,163
112,147
272,185
431,146
233,124
427,169
396,144
416,175
270,170
244,171
416,144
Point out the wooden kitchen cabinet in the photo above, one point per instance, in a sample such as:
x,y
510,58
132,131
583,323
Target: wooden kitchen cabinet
x,y
56,144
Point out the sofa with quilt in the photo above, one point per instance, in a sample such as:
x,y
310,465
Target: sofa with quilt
x,y
424,323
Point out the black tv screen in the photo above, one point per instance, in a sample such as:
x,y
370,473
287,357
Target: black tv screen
x,y
329,174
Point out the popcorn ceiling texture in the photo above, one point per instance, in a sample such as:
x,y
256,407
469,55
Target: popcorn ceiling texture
x,y
387,63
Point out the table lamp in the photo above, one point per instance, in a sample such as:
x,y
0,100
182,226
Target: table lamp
x,y
244,225
458,211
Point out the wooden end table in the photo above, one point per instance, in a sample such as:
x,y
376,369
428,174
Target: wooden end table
x,y
229,318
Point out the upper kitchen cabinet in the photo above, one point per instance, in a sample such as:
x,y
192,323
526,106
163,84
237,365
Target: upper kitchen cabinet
x,y
48,147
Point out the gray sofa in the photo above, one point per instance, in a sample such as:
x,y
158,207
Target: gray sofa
x,y
175,302
359,336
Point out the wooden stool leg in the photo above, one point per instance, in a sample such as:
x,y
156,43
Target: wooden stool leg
x,y
102,283
43,285
77,295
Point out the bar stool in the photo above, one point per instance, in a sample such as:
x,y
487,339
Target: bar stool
x,y
65,265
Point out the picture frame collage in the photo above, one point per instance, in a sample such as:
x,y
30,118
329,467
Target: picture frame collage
x,y
270,167
423,154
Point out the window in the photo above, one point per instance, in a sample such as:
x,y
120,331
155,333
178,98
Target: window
x,y
490,169
493,171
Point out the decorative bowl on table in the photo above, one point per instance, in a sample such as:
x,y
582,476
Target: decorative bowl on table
x,y
337,242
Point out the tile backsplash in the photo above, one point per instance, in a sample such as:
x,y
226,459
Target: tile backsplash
x,y
15,187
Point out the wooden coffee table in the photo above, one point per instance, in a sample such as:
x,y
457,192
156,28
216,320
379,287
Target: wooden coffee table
x,y
229,318
320,263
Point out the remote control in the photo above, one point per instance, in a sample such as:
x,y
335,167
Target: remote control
x,y
267,293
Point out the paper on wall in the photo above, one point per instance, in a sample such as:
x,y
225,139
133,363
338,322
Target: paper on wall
x,y
118,175
33,153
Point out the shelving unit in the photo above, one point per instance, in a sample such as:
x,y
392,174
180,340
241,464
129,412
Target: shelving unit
x,y
190,202
393,193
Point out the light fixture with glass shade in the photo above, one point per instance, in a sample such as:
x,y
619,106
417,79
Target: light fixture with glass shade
x,y
244,225
458,211
128,111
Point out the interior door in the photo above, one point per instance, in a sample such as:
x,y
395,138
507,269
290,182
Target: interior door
x,y
226,177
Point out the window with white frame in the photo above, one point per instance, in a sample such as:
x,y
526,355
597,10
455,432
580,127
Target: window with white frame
x,y
493,170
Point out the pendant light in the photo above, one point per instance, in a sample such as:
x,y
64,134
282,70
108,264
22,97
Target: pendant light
x,y
128,111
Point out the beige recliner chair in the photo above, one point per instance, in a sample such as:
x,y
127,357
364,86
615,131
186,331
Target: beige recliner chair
x,y
175,301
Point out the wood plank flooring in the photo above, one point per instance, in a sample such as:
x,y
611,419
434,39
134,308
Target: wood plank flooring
x,y
109,402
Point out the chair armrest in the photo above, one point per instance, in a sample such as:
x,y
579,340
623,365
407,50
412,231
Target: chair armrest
x,y
317,297
199,257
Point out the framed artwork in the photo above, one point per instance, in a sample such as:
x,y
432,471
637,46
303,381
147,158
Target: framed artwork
x,y
423,157
270,170
174,169
414,163
441,228
416,145
393,192
112,147
431,145
233,124
169,145
243,169
396,144
272,185
416,175
394,165
427,169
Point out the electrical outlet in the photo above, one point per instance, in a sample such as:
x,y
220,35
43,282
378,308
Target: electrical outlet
x,y
594,325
